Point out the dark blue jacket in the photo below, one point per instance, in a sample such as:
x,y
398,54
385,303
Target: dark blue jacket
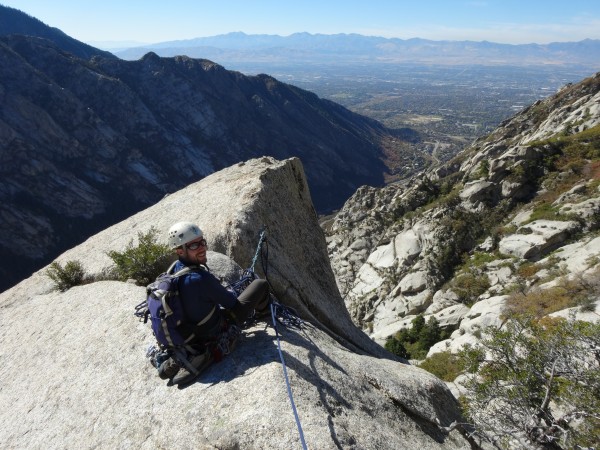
x,y
200,292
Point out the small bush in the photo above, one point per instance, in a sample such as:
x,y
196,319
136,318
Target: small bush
x,y
414,343
567,294
396,347
528,269
443,365
143,262
415,351
480,259
468,286
72,274
546,210
482,170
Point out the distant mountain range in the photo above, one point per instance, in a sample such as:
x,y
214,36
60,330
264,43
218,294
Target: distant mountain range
x,y
303,48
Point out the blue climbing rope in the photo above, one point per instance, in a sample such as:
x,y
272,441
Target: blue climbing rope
x,y
275,306
261,240
248,275
285,315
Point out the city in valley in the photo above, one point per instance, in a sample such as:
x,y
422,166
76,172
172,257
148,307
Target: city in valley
x,y
448,106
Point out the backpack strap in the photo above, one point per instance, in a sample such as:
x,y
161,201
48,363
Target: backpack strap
x,y
164,298
208,316
186,269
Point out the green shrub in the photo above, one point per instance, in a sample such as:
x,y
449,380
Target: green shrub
x,y
143,262
585,144
415,342
546,210
415,350
528,269
567,293
542,378
396,347
458,230
468,286
72,274
443,365
483,169
480,259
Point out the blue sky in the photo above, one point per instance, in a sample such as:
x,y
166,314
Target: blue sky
x,y
150,21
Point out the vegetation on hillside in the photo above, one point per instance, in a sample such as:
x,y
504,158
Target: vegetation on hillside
x,y
142,262
67,276
413,343
535,383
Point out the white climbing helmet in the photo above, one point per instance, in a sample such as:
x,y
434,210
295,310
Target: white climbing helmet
x,y
182,233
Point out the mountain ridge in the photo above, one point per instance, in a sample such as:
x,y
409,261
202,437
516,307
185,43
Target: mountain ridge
x,y
341,48
14,21
90,141
525,195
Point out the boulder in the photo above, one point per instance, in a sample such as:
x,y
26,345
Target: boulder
x,y
74,372
413,283
402,251
387,330
591,314
522,245
572,195
476,192
586,209
452,345
452,315
442,299
581,256
367,280
383,257
483,314
537,238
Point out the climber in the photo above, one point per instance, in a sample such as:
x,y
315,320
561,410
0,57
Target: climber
x,y
211,313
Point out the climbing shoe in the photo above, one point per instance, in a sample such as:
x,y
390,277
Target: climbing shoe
x,y
228,340
263,314
192,367
168,369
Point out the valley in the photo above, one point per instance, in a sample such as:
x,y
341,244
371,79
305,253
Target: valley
x,y
449,106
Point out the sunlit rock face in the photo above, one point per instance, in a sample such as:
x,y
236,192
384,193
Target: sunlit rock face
x,y
403,250
90,372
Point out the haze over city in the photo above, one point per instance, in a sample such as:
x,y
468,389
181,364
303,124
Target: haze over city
x,y
140,22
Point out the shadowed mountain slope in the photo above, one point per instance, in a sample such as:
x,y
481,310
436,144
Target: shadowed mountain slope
x,y
86,142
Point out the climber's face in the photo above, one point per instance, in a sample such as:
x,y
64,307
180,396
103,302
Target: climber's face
x,y
194,251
